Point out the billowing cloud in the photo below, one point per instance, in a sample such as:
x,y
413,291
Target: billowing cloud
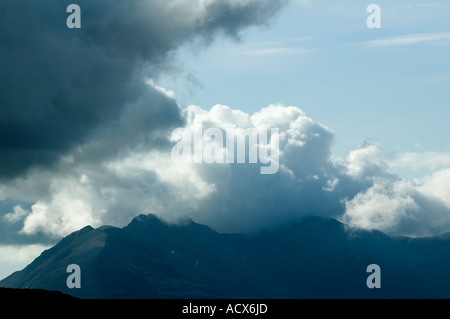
x,y
229,196
438,185
241,199
366,162
394,205
234,197
403,207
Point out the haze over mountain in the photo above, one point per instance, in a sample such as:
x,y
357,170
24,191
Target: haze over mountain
x,y
311,258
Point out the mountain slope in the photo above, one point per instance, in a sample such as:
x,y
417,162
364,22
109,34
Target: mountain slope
x,y
311,258
113,265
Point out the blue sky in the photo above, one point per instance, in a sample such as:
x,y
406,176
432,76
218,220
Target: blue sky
x,y
387,85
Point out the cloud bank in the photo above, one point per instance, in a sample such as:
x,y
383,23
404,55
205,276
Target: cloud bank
x,y
358,190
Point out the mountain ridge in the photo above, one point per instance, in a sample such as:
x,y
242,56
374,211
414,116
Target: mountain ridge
x,y
313,257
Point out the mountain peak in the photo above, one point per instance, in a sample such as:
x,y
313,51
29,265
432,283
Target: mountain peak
x,y
152,219
147,220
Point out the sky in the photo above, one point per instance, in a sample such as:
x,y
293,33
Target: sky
x,y
87,115
364,84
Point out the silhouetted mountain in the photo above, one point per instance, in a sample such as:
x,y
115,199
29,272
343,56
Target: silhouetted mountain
x,y
311,258
113,265
436,248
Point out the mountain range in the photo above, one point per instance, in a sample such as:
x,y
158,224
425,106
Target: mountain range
x,y
312,257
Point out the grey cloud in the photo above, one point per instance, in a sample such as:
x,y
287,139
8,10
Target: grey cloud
x,y
10,227
60,86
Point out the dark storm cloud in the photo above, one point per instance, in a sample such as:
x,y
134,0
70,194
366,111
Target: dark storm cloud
x,y
59,87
